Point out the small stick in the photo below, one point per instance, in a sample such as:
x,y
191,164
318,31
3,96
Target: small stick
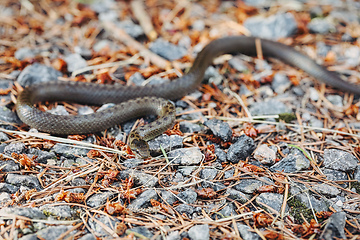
x,y
144,19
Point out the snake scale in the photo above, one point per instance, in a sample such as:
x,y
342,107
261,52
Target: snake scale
x,y
136,101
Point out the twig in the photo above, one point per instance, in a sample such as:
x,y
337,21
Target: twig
x,y
144,19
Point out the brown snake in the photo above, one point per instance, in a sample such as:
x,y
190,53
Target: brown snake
x,y
136,101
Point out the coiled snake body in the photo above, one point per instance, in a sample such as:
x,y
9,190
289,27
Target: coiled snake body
x,y
135,101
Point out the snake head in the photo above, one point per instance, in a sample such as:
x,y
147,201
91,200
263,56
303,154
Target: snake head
x,y
139,145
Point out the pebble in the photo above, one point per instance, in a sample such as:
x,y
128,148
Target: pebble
x,y
268,107
334,228
28,181
69,151
143,179
75,62
59,110
29,212
143,200
327,190
339,160
189,127
185,208
212,75
246,233
280,83
241,149
102,220
188,196
168,197
61,212
8,116
248,186
238,64
219,129
99,199
302,194
321,25
186,156
23,53
199,232
166,142
273,200
8,188
37,73
296,161
276,26
167,50
265,155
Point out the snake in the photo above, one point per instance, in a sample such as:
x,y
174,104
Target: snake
x,y
136,101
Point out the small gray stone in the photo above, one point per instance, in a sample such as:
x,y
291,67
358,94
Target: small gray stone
x,y
339,160
336,175
37,73
219,129
99,199
248,185
238,64
15,147
3,137
167,50
85,110
173,236
63,211
184,208
54,232
168,143
280,83
228,210
4,198
336,100
321,25
265,155
96,226
75,62
168,197
245,232
29,181
58,110
296,161
143,200
23,53
302,194
136,79
213,76
199,232
220,155
143,179
189,127
188,196
334,228
41,156
327,190
9,166
208,173
4,187
273,27
269,107
186,156
273,200
29,212
241,149
69,151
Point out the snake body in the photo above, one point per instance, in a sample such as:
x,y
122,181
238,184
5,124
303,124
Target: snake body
x,y
135,101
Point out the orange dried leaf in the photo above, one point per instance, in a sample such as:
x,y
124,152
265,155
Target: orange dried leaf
x,y
207,193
